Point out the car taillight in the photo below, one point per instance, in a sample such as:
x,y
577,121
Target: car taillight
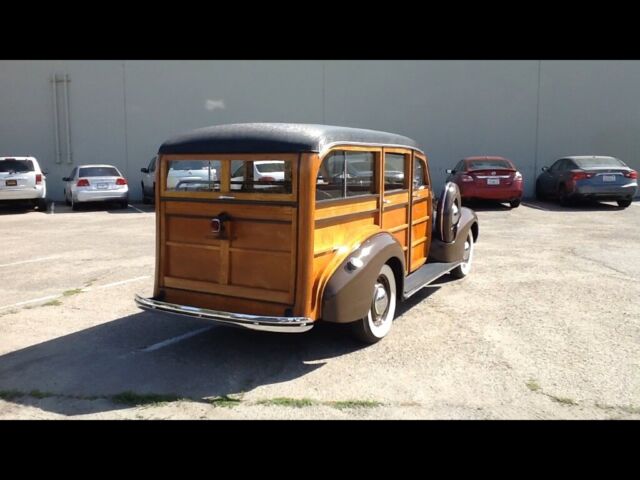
x,y
466,178
517,176
83,182
121,181
580,175
38,178
267,179
631,174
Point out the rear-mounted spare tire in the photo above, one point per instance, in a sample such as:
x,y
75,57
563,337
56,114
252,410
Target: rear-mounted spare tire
x,y
448,213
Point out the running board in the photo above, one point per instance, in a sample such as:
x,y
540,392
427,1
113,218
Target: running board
x,y
426,274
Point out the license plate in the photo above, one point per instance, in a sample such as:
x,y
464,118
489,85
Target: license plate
x,y
608,178
12,183
103,186
493,181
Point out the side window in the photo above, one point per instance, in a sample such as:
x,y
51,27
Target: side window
x,y
459,166
152,165
556,166
394,171
72,175
419,177
193,175
346,174
330,180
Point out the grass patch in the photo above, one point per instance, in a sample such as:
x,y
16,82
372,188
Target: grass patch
x,y
346,404
10,394
40,395
132,398
533,386
73,291
52,303
563,400
224,401
287,402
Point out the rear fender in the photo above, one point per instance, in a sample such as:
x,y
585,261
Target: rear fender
x,y
348,293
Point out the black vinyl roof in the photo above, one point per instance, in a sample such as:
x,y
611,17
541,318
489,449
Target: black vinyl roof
x,y
275,138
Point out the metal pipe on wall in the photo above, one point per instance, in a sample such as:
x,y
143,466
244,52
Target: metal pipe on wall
x,y
54,83
66,82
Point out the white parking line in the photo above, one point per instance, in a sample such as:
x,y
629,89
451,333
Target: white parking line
x,y
33,260
85,289
137,209
179,338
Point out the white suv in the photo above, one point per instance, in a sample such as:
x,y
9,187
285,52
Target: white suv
x,y
22,180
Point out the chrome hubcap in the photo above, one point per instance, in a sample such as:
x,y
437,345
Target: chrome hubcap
x,y
380,302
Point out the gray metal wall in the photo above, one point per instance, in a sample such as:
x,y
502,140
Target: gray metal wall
x,y
529,111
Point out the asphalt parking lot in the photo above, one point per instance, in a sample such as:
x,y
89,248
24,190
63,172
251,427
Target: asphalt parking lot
x,y
547,326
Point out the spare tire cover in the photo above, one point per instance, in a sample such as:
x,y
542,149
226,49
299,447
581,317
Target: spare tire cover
x,y
448,213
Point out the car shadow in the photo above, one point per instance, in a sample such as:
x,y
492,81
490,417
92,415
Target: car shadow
x,y
109,359
578,206
109,207
17,209
486,206
90,367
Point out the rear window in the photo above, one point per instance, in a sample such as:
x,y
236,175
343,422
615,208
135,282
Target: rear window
x,y
194,175
598,162
98,172
9,165
261,177
488,165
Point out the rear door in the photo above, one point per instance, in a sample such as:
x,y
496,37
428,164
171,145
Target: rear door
x,y
421,198
234,241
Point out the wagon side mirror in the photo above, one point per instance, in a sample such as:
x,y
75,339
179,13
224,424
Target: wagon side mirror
x,y
144,170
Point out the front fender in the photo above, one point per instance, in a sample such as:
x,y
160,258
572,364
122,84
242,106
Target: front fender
x,y
348,293
454,252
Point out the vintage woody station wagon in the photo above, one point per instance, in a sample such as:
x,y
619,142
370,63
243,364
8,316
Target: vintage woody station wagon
x,y
275,226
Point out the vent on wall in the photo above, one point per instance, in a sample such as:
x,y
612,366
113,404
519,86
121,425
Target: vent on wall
x,y
61,126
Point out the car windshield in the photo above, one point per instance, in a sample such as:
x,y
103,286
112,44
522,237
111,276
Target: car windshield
x,y
270,167
17,166
598,162
189,165
488,164
98,172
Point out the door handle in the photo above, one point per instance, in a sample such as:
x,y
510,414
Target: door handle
x,y
386,201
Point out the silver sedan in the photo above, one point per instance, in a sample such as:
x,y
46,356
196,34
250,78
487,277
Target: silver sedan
x,y
95,183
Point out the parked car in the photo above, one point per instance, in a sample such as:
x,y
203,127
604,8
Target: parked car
x,y
320,247
192,175
148,182
265,174
588,177
488,178
22,180
95,183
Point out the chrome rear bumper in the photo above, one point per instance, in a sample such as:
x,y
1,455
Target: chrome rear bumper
x,y
252,322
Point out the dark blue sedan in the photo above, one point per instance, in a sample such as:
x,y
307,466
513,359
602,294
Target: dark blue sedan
x,y
588,177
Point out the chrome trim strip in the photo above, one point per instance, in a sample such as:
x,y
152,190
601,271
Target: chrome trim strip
x,y
329,146
252,322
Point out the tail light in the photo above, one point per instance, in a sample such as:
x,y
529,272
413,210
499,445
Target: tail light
x,y
267,179
83,182
631,174
466,178
121,181
580,175
38,178
517,176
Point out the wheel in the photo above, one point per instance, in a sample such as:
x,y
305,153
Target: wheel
x,y
539,194
563,195
624,203
514,203
448,213
377,323
464,268
74,204
124,203
146,200
66,199
42,205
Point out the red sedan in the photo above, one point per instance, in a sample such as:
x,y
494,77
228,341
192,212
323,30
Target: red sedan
x,y
488,178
